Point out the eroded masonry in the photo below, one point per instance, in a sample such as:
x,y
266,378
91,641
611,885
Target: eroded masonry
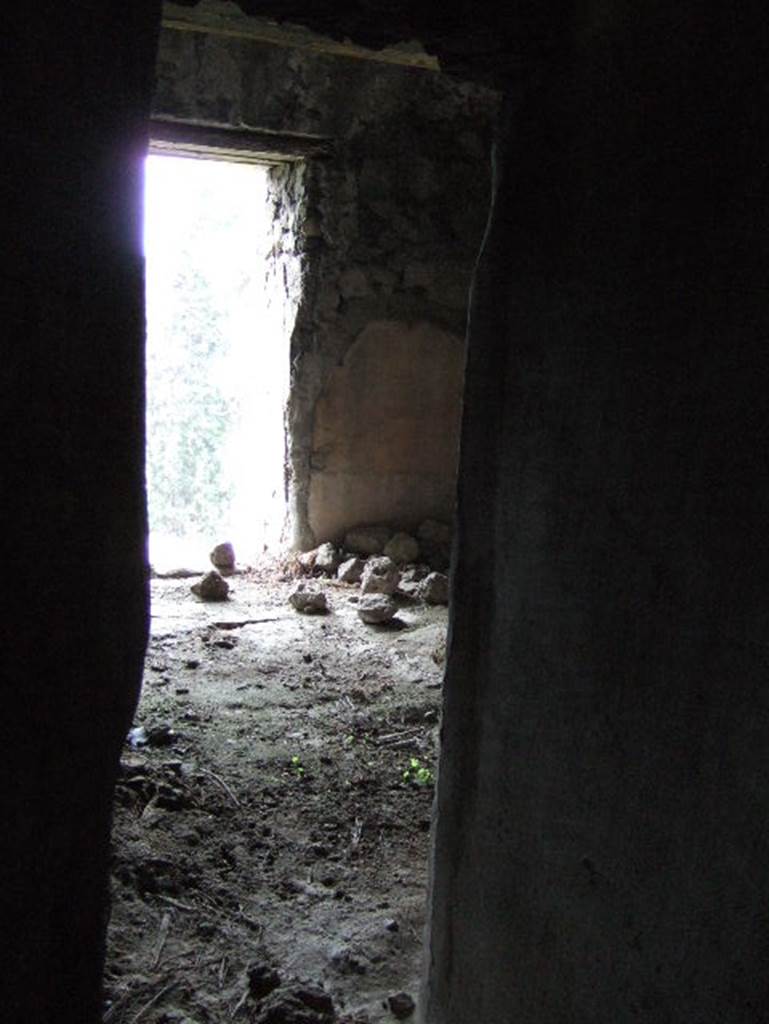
x,y
375,235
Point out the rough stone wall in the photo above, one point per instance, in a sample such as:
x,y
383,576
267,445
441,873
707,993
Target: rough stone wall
x,y
389,229
287,277
489,43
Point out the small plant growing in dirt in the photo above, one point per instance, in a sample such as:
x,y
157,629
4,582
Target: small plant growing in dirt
x,y
418,774
297,768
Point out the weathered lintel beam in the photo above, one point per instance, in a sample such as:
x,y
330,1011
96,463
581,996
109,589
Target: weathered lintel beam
x,y
180,138
220,19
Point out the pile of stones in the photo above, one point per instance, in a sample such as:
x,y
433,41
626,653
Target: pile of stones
x,y
386,564
213,586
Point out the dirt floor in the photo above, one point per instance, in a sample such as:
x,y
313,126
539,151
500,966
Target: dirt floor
x,y
271,827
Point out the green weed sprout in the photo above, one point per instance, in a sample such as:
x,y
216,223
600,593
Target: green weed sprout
x,y
297,767
418,774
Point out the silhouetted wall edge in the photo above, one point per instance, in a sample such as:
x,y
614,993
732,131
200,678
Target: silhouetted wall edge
x,y
600,846
76,97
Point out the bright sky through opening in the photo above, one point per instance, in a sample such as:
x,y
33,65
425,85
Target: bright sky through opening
x,y
215,383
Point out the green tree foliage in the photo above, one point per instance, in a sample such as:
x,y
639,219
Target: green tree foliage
x,y
204,244
188,415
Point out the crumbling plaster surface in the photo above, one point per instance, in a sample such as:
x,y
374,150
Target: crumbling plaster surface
x,y
385,230
386,429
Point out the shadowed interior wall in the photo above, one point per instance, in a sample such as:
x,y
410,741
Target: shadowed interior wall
x,y
385,442
602,848
76,95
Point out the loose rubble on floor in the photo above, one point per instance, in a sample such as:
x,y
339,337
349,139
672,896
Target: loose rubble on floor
x,y
385,564
213,587
273,806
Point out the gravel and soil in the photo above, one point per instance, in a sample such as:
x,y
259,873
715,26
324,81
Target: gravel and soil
x,y
273,811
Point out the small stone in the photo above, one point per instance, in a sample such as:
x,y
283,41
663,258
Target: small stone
x,y
316,998
306,559
223,556
262,979
434,589
416,572
401,1005
409,588
327,559
411,577
308,599
402,548
381,576
367,540
351,570
375,608
344,960
212,587
160,736
137,737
